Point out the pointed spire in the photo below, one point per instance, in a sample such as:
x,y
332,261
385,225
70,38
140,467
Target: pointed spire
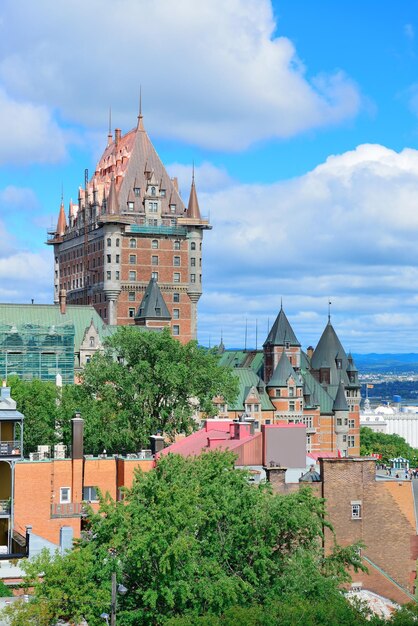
x,y
193,210
109,132
140,125
283,372
62,222
282,332
153,305
112,204
340,402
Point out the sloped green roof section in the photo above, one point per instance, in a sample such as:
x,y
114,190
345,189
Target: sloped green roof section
x,y
340,402
283,372
281,332
252,359
247,378
49,315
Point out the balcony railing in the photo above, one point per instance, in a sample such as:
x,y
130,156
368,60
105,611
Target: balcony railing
x,y
5,507
10,448
68,509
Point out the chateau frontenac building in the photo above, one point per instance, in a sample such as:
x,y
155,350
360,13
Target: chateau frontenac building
x,y
130,247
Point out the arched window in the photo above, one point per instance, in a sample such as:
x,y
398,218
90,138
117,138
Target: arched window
x,y
177,245
109,242
132,243
154,244
193,246
153,191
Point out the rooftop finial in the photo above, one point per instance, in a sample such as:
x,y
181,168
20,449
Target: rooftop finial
x,y
281,303
62,192
109,132
140,125
329,311
193,172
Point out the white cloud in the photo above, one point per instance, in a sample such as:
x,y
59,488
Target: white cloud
x,y
22,198
29,133
347,230
214,74
208,177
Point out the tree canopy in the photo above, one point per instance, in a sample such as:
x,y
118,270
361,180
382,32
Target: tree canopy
x,y
389,446
143,383
191,538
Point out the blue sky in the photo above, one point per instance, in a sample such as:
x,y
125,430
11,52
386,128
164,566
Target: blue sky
x,y
301,117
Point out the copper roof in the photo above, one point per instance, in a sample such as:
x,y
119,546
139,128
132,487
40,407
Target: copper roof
x,y
193,210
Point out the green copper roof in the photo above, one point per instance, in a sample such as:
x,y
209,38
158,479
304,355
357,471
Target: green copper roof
x,y
282,332
247,379
252,359
340,402
283,372
49,315
153,305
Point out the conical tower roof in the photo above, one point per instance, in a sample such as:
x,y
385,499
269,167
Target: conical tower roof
x,y
153,305
112,205
340,402
193,210
283,372
329,349
62,222
281,332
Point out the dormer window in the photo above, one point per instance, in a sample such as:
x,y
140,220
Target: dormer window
x,y
287,345
130,206
153,191
338,363
162,193
137,191
158,312
291,392
172,208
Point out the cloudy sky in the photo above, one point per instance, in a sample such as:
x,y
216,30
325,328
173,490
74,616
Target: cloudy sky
x,y
300,115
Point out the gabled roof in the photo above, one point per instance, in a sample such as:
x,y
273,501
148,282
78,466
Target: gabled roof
x,y
283,372
282,332
153,305
340,402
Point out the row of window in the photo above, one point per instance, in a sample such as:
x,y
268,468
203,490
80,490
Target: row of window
x,y
176,313
155,244
132,296
154,275
347,422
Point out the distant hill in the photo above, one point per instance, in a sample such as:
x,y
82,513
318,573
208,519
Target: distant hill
x,y
374,362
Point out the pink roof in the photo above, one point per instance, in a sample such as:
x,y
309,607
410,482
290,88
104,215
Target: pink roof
x,y
322,455
214,435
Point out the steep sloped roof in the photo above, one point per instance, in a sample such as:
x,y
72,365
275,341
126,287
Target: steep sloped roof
x,y
282,332
247,379
49,315
153,305
340,402
283,372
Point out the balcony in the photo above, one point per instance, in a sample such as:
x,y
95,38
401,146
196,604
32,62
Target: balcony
x,y
68,509
10,449
5,507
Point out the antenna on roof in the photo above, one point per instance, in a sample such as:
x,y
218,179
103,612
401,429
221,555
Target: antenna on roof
x,y
62,192
109,132
140,116
329,311
245,340
256,334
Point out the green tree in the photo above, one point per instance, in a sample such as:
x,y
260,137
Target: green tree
x,y
389,446
194,537
143,383
5,592
37,400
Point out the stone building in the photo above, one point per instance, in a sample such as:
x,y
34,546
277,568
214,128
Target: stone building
x,y
130,225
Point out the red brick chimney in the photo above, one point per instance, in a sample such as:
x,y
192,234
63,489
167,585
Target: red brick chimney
x,y
118,134
63,301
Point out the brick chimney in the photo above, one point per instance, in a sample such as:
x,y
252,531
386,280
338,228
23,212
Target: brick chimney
x,y
276,475
63,301
77,439
118,134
